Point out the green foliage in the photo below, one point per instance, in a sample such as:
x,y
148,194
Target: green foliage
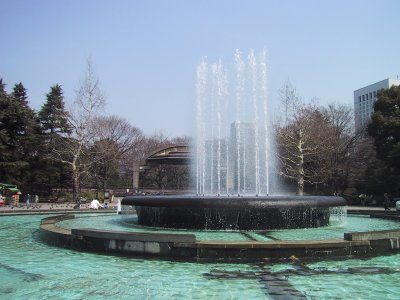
x,y
18,135
5,152
385,130
66,196
24,144
52,116
89,195
53,119
385,127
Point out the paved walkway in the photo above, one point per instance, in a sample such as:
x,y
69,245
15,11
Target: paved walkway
x,y
52,207
69,207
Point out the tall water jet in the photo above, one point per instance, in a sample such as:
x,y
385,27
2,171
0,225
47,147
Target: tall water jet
x,y
232,127
200,147
239,94
233,157
263,65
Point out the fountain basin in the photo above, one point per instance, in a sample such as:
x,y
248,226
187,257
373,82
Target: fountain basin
x,y
236,213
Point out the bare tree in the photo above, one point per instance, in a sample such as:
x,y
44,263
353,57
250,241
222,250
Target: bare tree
x,y
303,146
149,144
115,138
73,150
185,140
366,172
342,144
315,143
290,102
178,176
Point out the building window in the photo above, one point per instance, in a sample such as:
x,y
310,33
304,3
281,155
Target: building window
x,y
374,94
370,95
363,97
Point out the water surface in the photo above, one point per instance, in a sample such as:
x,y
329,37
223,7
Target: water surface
x,y
30,269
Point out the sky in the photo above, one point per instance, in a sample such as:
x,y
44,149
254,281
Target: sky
x,y
145,53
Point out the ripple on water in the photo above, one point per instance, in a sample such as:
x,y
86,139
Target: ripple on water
x,y
127,223
37,271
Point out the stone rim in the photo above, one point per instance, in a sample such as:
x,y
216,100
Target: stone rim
x,y
244,202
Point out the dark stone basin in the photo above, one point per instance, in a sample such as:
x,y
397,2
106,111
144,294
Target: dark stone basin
x,y
237,213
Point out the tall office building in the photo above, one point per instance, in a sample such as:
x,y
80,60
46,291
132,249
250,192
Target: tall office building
x,y
364,100
243,159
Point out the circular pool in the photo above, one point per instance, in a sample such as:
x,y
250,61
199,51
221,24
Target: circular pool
x,y
32,269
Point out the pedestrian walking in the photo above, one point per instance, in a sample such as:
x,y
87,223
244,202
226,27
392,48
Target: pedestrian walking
x,y
386,201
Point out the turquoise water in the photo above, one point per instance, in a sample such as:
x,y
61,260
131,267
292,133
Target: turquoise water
x,y
352,223
336,231
127,223
30,269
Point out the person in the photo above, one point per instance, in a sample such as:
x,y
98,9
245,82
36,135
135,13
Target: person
x,y
28,199
16,199
77,203
386,201
363,198
119,207
95,204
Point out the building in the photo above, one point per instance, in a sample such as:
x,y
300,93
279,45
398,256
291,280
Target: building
x,y
364,100
172,155
242,160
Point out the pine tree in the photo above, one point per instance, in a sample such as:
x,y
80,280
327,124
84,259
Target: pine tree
x,y
53,116
18,122
5,153
53,120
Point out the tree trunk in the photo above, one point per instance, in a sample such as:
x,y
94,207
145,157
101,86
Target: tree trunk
x,y
300,174
300,186
75,191
75,178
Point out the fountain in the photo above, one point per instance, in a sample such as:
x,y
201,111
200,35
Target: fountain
x,y
249,205
236,210
234,170
235,213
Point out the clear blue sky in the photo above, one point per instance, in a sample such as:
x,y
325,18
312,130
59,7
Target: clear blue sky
x,y
145,53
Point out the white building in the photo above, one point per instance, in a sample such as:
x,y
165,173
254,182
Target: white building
x,y
364,100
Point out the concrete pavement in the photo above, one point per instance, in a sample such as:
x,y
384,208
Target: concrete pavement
x,y
69,208
36,208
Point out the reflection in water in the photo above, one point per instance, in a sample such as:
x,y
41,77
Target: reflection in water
x,y
33,270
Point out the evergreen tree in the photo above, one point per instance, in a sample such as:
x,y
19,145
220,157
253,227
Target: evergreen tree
x,y
21,118
53,116
19,132
385,126
385,130
2,89
5,153
53,119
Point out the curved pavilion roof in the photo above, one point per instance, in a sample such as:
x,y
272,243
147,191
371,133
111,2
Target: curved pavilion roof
x,y
177,154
